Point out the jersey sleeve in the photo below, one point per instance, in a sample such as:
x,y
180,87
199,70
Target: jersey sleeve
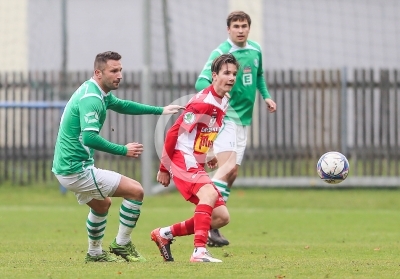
x,y
93,140
91,108
205,78
169,148
132,108
261,83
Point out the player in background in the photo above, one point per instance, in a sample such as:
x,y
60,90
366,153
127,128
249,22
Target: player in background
x,y
230,144
184,156
73,164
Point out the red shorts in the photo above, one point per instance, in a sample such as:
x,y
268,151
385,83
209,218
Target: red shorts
x,y
189,181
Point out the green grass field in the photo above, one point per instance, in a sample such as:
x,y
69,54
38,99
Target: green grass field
x,y
274,233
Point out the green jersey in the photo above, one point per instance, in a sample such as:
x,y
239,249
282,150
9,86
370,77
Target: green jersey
x,y
250,77
81,122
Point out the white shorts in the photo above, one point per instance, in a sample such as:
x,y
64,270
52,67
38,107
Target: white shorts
x,y
93,183
232,137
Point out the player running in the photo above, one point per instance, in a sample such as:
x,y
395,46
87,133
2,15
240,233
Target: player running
x,y
184,156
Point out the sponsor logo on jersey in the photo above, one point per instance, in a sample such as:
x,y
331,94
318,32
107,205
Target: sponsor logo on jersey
x,y
247,79
204,142
91,117
247,69
256,62
209,129
189,118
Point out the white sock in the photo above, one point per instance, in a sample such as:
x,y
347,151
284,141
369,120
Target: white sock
x,y
198,250
129,213
166,233
95,224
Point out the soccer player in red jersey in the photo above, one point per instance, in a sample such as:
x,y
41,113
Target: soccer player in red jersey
x,y
230,145
184,157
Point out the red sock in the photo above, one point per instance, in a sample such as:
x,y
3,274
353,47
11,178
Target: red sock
x,y
183,228
202,222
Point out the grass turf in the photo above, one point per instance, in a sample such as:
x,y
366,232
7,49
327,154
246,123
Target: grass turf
x,y
274,233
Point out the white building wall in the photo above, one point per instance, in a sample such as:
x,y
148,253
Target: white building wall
x,y
293,34
13,35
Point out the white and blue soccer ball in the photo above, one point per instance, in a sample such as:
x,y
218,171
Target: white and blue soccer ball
x,y
333,167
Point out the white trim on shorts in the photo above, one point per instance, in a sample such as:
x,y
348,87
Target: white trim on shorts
x,y
92,183
231,138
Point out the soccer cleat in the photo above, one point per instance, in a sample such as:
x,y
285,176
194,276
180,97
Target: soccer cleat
x,y
127,251
204,257
103,257
163,245
216,239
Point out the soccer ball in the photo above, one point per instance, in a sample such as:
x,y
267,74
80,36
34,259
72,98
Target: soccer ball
x,y
333,167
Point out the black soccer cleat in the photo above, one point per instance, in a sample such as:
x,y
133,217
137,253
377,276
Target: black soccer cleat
x,y
216,239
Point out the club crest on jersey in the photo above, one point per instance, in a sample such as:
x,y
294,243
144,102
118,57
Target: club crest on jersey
x,y
256,62
91,117
189,118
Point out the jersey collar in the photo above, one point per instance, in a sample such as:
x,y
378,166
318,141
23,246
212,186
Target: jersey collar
x,y
215,95
98,86
235,47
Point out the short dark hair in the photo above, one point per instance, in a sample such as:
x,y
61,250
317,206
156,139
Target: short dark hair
x,y
102,58
238,15
222,60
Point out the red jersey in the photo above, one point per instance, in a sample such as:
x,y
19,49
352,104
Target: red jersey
x,y
195,130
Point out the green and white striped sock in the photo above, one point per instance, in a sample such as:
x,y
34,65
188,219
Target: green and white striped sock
x,y
222,187
128,216
95,225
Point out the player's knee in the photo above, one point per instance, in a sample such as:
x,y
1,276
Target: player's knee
x,y
213,196
129,189
136,191
220,219
101,207
207,195
139,194
106,207
231,177
224,219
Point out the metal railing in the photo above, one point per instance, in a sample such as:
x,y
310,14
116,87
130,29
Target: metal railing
x,y
356,113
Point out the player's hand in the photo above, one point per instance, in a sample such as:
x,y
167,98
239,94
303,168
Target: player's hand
x,y
163,178
271,106
134,149
213,163
172,109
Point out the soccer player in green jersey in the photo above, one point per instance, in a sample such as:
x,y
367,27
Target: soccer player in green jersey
x,y
230,144
73,164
